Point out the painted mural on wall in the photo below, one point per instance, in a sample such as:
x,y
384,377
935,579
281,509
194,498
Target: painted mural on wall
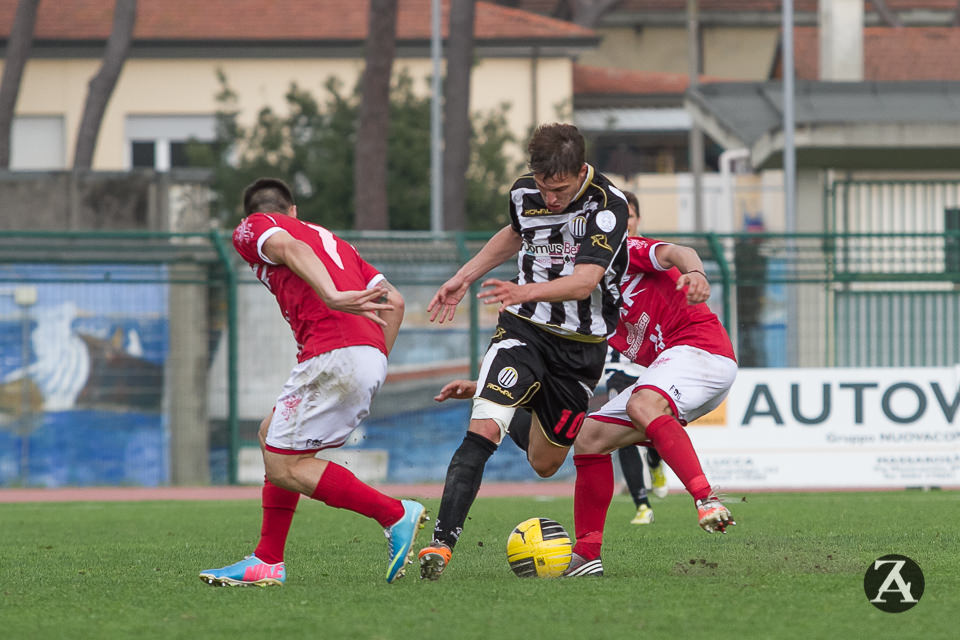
x,y
82,355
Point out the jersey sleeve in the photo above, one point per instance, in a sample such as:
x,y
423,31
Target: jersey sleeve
x,y
251,233
369,273
605,231
643,258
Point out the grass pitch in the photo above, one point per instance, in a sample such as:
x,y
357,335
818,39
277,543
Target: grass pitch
x,y
792,568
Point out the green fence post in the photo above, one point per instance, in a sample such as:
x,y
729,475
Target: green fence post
x,y
232,418
714,243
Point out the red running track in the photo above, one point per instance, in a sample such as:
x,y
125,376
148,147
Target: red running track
x,y
246,492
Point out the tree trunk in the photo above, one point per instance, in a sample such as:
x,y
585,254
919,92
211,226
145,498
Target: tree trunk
x,y
456,114
18,51
102,84
370,161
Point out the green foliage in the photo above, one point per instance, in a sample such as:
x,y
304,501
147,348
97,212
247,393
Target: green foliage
x,y
312,147
793,567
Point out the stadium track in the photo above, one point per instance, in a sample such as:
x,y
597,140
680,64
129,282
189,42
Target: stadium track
x,y
252,492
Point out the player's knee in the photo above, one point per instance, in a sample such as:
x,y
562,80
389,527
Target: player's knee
x,y
590,439
545,468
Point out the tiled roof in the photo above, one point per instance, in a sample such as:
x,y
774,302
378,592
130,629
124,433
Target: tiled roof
x,y
595,81
270,20
890,54
746,6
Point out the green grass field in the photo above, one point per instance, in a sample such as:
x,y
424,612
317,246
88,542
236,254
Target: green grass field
x,y
792,568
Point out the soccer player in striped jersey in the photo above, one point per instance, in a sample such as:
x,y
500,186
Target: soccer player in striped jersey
x,y
567,229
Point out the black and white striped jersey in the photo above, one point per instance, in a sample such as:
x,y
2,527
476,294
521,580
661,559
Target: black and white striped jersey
x,y
591,230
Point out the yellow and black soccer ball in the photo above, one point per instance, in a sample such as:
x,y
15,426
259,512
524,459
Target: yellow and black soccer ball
x,y
539,548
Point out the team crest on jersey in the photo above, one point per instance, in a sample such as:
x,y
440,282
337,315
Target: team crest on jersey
x,y
606,221
600,240
508,377
243,233
578,227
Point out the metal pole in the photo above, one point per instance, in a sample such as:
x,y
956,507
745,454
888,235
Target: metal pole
x,y
790,182
789,152
436,131
695,145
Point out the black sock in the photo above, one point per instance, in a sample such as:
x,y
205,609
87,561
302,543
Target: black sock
x,y
653,458
460,488
519,429
633,473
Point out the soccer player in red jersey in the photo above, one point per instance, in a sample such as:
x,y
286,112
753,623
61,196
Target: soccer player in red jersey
x,y
690,367
345,317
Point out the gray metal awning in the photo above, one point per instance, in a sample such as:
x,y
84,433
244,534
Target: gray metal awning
x,y
841,125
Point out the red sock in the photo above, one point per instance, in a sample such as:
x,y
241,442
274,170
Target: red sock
x,y
592,494
339,488
674,446
279,506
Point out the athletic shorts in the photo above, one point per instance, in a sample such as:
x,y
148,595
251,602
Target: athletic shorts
x,y
526,366
325,399
692,380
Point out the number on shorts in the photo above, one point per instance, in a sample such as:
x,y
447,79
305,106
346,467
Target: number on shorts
x,y
574,427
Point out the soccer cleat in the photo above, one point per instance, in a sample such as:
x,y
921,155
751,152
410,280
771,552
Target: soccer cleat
x,y
644,515
400,537
433,560
713,515
659,481
251,571
580,566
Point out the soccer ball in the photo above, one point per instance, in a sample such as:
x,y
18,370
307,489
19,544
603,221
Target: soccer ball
x,y
539,548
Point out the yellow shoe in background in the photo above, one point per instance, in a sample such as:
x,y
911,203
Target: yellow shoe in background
x,y
644,515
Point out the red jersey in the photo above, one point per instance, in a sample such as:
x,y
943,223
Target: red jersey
x,y
316,327
655,316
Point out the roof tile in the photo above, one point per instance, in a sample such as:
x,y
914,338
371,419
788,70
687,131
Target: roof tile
x,y
336,20
890,54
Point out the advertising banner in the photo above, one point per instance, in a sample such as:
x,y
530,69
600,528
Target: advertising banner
x,y
833,428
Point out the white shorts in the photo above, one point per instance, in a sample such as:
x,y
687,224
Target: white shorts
x,y
325,399
692,380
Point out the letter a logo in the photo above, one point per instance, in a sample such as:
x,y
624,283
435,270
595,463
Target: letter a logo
x,y
893,583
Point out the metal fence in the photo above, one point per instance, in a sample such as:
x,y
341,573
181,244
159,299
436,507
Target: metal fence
x,y
150,358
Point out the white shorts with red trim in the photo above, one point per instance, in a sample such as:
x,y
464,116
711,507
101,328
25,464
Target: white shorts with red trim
x,y
325,399
692,380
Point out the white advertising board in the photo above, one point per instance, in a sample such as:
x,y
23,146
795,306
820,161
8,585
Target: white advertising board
x,y
833,428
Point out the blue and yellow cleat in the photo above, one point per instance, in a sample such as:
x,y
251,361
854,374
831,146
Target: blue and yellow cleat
x,y
251,571
400,538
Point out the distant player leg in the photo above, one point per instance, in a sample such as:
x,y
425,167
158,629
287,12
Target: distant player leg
x,y
632,465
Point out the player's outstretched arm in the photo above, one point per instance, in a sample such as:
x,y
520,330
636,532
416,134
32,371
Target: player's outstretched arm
x,y
500,247
688,262
282,248
393,317
576,286
457,389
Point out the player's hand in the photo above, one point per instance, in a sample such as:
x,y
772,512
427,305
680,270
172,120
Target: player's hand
x,y
698,287
457,389
444,303
500,292
364,303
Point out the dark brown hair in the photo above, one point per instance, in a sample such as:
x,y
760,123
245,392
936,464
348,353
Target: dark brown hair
x,y
556,150
632,200
267,195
